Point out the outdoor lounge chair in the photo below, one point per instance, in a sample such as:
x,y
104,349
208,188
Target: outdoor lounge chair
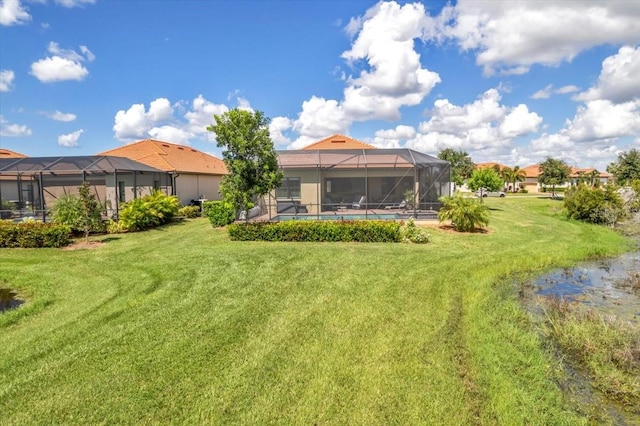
x,y
360,203
401,205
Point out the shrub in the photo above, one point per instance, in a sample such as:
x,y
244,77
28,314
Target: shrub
x,y
149,211
413,234
189,211
594,205
115,227
82,212
220,213
311,230
32,234
466,214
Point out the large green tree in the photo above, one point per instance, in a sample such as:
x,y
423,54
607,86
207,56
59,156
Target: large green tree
x,y
249,155
554,172
486,179
627,168
461,164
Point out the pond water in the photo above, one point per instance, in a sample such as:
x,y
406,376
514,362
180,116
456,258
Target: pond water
x,y
8,300
608,287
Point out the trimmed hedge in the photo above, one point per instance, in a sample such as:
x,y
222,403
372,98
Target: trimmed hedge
x,y
33,234
313,230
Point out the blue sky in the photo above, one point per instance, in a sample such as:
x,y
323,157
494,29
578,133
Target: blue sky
x,y
512,82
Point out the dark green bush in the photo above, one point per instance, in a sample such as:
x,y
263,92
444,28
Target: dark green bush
x,y
311,230
149,211
220,213
595,205
189,211
33,234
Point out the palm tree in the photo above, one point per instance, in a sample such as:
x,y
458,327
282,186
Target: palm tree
x,y
519,175
507,174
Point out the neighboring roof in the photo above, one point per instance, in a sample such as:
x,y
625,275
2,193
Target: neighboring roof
x,y
532,171
357,158
577,172
72,165
338,142
6,153
490,165
170,157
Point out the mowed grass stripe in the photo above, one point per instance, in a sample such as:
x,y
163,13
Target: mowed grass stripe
x,y
181,325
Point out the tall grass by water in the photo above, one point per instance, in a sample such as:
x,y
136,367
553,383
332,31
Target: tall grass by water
x,y
181,325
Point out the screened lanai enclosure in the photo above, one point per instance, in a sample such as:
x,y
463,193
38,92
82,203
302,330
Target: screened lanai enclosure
x,y
30,186
369,183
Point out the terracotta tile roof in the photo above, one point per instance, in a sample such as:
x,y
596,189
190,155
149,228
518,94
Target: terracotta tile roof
x,y
490,165
577,171
532,171
170,157
6,153
339,142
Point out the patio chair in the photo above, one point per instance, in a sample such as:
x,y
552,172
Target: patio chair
x,y
401,205
360,203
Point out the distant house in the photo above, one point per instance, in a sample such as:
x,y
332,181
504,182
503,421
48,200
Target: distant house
x,y
196,175
577,175
341,174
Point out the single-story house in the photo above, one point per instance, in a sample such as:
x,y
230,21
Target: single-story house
x,y
196,175
532,173
32,184
340,173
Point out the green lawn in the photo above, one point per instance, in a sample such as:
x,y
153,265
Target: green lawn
x,y
180,325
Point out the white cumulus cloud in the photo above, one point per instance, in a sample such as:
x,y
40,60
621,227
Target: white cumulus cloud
x,y
393,138
510,36
70,140
13,130
484,126
6,80
13,13
160,121
63,65
619,79
61,116
602,119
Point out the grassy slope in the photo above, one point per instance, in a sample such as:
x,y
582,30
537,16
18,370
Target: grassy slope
x,y
181,325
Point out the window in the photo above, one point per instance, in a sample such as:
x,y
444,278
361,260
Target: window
x,y
121,194
156,185
290,188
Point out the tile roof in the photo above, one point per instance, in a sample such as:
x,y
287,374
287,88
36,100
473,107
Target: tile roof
x,y
577,171
490,165
339,142
533,171
6,153
170,157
